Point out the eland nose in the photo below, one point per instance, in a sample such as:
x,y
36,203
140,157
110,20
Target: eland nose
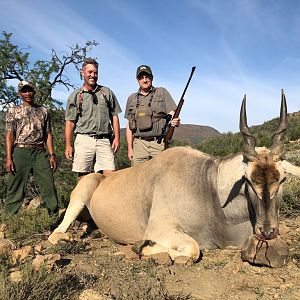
x,y
268,234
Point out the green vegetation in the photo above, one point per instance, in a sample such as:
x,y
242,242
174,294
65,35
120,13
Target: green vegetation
x,y
41,285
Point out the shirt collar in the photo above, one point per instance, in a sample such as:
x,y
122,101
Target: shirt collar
x,y
95,90
150,91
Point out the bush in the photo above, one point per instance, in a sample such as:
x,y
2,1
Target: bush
x,y
42,285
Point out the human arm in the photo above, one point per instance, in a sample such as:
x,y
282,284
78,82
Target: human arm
x,y
129,139
69,129
116,127
9,149
49,144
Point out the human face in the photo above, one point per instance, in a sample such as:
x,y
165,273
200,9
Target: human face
x,y
27,95
145,82
90,76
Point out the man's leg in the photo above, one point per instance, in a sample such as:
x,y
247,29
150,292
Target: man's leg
x,y
17,181
105,158
84,155
140,151
44,178
155,148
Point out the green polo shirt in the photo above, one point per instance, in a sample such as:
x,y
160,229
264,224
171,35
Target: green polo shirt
x,y
96,111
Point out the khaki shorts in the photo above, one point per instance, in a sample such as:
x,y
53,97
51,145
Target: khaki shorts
x,y
92,155
144,150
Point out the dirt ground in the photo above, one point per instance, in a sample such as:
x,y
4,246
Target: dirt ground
x,y
220,274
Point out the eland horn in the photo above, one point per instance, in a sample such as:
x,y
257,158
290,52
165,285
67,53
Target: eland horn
x,y
249,140
279,134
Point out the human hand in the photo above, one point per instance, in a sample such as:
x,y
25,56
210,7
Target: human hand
x,y
175,122
69,152
53,163
115,145
130,154
10,168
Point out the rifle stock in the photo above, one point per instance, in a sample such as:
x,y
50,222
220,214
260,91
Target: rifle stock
x,y
168,136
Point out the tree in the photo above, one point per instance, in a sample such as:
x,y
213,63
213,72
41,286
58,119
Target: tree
x,y
44,74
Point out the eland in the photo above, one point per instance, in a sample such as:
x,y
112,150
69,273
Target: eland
x,y
184,200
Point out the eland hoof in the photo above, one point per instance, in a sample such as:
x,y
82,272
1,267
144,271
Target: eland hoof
x,y
55,237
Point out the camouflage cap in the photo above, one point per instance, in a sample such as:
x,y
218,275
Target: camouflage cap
x,y
24,83
143,69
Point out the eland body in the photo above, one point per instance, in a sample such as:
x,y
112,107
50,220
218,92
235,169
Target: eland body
x,y
185,200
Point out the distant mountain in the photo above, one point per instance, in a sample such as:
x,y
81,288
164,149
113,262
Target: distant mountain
x,y
190,133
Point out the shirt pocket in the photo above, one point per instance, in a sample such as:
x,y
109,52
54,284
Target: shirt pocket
x,y
158,104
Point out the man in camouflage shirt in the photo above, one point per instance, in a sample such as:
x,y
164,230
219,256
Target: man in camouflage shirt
x,y
28,129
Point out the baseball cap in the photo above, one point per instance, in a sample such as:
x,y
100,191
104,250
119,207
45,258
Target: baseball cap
x,y
24,83
143,69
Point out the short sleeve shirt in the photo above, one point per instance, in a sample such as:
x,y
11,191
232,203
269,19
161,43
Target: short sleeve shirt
x,y
29,124
162,103
96,110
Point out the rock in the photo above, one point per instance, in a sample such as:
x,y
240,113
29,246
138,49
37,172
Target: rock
x,y
92,295
183,260
6,247
34,203
3,227
283,228
232,267
16,276
162,258
127,252
21,254
272,253
48,260
2,235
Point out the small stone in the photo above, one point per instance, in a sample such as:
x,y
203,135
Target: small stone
x,y
232,267
183,260
48,260
162,258
128,253
16,276
21,254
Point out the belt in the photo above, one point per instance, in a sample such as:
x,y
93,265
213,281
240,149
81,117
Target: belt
x,y
99,136
147,138
31,146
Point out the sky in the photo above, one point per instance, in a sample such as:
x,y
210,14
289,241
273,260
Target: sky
x,y
238,47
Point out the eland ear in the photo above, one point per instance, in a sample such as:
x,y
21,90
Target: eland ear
x,y
290,168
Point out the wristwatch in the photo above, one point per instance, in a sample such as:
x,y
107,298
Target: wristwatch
x,y
52,154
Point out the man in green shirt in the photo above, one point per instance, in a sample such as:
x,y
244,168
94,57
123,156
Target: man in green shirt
x,y
92,113
146,111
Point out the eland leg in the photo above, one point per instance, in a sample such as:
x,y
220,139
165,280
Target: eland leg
x,y
173,241
80,197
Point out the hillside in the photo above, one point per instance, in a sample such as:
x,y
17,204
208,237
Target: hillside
x,y
189,133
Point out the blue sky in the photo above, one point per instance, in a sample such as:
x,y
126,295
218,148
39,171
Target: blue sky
x,y
238,47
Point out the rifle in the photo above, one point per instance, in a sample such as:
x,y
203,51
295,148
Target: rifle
x,y
168,136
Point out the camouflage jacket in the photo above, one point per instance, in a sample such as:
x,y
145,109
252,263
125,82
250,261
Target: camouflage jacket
x,y
28,124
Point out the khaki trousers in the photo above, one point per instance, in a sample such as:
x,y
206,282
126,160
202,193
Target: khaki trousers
x,y
144,150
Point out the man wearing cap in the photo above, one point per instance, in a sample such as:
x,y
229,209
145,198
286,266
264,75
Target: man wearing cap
x,y
28,131
146,111
92,113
